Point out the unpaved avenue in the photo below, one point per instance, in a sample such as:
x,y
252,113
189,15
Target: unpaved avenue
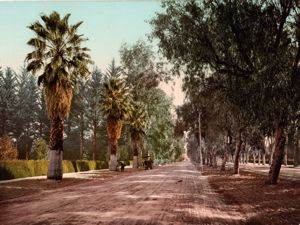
x,y
174,194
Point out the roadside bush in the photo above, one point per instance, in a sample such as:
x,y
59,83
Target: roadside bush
x,y
39,149
101,165
7,149
10,169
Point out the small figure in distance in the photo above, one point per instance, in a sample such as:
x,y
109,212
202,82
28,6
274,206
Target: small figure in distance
x,y
122,166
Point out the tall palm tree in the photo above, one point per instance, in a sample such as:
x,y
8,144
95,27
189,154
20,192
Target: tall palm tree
x,y
116,105
61,60
138,121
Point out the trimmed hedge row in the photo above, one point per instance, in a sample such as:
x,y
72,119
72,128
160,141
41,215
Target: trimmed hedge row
x,y
28,168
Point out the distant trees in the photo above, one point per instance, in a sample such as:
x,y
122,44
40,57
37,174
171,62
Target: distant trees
x,y
8,99
21,111
152,112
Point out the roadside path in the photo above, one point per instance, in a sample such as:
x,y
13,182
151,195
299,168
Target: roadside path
x,y
175,194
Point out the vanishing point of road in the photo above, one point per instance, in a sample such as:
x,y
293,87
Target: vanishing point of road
x,y
173,194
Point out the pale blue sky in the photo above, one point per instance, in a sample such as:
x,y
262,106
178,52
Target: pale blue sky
x,y
107,24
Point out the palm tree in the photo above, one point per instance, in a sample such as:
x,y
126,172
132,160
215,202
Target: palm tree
x,y
116,105
61,59
138,121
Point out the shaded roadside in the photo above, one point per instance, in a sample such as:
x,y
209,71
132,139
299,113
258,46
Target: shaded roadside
x,y
286,172
260,203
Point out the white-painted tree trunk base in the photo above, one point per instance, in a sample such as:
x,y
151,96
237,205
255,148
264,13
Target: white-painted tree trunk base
x,y
113,164
55,171
135,162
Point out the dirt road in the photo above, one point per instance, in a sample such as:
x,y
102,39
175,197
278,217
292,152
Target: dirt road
x,y
174,194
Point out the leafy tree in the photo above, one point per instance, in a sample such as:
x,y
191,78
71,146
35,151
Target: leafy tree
x,y
77,119
116,106
137,123
139,67
7,149
25,115
143,73
59,55
235,43
39,149
161,141
93,95
43,123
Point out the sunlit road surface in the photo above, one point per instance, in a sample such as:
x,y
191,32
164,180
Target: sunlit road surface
x,y
173,194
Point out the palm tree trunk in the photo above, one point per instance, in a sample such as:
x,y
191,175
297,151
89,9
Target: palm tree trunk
x,y
237,152
113,159
278,155
56,149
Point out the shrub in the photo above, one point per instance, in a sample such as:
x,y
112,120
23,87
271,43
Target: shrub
x,y
10,169
7,149
39,149
69,166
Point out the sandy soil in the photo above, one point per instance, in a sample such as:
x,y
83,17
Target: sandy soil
x,y
174,194
260,203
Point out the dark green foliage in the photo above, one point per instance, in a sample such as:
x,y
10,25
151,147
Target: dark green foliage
x,y
28,168
8,99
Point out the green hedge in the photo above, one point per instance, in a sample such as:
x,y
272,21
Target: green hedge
x,y
28,168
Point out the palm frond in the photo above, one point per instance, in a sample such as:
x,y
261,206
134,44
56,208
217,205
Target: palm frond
x,y
60,58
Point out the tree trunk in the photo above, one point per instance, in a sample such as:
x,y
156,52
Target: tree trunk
x,y
56,149
264,158
237,152
94,139
285,156
247,157
200,143
215,163
259,157
225,157
135,148
113,159
278,155
296,156
81,135
254,158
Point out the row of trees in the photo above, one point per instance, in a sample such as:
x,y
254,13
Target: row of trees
x,y
81,107
241,61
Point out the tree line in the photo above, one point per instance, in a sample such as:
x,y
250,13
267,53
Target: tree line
x,y
241,65
82,111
